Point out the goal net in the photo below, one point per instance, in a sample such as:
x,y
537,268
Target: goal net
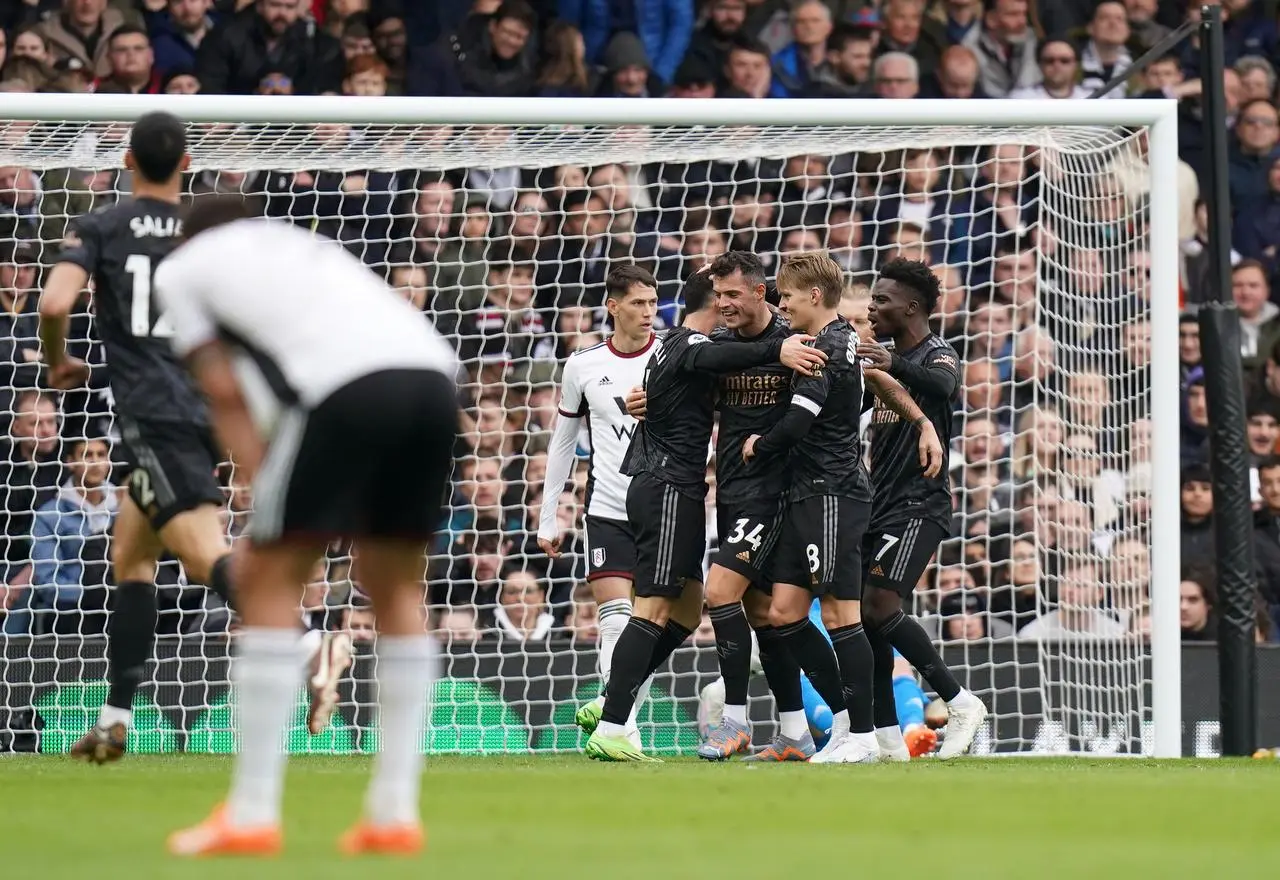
x,y
1047,233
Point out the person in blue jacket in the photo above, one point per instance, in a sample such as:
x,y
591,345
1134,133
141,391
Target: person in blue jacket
x,y
665,27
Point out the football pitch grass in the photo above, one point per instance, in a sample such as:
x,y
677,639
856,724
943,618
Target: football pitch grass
x,y
566,817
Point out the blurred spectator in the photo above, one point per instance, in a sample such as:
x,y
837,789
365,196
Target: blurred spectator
x,y
581,625
390,37
905,29
956,77
69,551
564,72
1198,602
710,44
1197,285
963,617
665,27
1059,71
366,77
748,74
32,471
1188,343
494,56
1079,614
19,321
1251,156
177,33
1144,29
896,75
1257,79
1195,420
1197,516
1104,56
82,32
801,63
847,71
1015,601
269,37
522,608
1259,316
1005,47
1086,478
30,42
1266,531
180,82
133,68
626,69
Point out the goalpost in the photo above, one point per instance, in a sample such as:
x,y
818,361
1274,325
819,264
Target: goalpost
x,y
1052,226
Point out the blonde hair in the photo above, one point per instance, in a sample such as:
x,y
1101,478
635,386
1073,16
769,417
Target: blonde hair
x,y
813,269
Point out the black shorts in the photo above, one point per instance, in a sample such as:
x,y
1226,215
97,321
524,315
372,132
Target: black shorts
x,y
748,532
670,529
370,460
820,548
611,549
172,467
895,556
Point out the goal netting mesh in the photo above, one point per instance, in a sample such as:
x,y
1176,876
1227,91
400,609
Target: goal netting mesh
x,y
503,236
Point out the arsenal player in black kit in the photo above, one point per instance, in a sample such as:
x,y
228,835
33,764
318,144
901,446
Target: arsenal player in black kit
x,y
911,513
667,461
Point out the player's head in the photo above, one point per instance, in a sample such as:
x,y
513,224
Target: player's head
x,y
854,305
906,291
210,212
631,297
157,148
809,285
699,294
739,283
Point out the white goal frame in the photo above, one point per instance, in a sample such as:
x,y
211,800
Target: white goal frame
x,y
1159,117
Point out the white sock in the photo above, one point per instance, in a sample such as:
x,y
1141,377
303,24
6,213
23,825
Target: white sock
x,y
407,667
963,698
736,713
794,724
266,675
610,728
633,720
840,723
109,715
611,620
890,737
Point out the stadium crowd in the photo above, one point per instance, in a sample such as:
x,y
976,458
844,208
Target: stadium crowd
x,y
1050,459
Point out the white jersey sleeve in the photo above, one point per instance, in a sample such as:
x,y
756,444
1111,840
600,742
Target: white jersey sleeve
x,y
560,454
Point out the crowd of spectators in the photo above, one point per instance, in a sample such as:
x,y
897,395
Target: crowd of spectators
x,y
1045,298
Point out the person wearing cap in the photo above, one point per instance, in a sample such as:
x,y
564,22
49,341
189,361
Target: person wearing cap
x,y
627,71
83,32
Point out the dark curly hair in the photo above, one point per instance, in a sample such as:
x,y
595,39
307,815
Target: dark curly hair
x,y
917,276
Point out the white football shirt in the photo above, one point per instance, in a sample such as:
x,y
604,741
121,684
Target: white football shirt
x,y
301,315
594,386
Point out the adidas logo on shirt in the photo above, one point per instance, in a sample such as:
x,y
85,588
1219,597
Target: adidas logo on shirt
x,y
604,380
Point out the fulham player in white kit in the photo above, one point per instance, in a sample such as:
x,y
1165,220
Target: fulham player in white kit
x,y
594,387
338,400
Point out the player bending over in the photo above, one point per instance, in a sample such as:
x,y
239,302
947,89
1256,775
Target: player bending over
x,y
594,382
173,499
667,460
911,513
338,401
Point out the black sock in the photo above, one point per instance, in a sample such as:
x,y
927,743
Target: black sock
x,y
780,669
886,708
815,657
853,652
673,636
733,647
913,643
220,578
131,633
631,658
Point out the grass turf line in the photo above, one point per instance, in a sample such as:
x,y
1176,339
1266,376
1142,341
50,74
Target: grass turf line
x,y
565,817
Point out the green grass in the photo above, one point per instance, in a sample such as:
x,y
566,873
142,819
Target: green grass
x,y
514,818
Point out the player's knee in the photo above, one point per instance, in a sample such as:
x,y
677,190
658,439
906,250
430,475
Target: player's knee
x,y
757,606
723,589
780,615
830,617
129,564
879,604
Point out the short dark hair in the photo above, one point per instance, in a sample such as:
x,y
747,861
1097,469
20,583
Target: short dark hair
x,y
126,30
211,211
519,10
1196,473
1268,462
843,34
158,142
1205,577
918,277
622,278
746,262
697,292
744,43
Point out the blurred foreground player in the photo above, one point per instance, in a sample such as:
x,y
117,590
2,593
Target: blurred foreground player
x,y
911,513
337,400
173,499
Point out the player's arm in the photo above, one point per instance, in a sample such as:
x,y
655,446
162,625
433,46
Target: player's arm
x,y
210,364
705,355
560,457
808,396
938,376
67,279
899,400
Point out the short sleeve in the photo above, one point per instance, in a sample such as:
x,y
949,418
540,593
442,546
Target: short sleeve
x,y
573,403
180,289
82,245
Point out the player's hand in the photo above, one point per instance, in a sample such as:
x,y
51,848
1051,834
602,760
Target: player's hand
x,y
749,448
930,450
69,373
800,356
551,546
875,355
637,403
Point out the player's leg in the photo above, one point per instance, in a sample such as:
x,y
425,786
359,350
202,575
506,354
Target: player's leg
x,y
898,566
910,701
197,537
130,631
610,564
725,589
794,741
390,572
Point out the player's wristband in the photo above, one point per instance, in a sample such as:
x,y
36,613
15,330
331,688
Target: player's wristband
x,y
921,422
